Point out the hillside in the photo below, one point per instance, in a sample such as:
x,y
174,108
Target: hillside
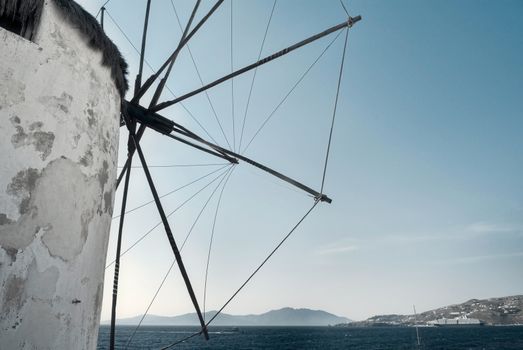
x,y
282,317
494,311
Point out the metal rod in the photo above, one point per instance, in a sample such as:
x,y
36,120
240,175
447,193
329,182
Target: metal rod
x,y
155,76
263,61
138,81
117,260
170,237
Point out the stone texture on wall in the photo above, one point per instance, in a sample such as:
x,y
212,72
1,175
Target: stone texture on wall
x,y
59,113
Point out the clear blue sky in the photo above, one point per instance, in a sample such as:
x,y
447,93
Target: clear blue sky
x,y
425,172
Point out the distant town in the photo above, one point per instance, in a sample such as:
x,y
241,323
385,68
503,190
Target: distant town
x,y
491,312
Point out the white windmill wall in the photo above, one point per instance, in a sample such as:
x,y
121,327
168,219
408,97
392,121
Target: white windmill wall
x,y
59,124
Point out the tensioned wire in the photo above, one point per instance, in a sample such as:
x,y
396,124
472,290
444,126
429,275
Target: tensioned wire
x,y
170,214
308,212
262,126
100,9
223,176
344,8
174,191
211,241
254,75
200,77
335,109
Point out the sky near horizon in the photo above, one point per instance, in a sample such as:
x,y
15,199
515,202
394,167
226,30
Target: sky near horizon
x,y
425,170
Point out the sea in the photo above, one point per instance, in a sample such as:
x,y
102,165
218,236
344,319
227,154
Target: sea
x,y
297,338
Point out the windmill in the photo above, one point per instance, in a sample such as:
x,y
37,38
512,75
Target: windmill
x,y
137,117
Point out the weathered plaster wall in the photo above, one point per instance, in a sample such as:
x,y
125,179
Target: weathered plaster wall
x,y
59,117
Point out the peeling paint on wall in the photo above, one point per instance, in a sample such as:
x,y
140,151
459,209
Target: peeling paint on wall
x,y
58,106
4,220
21,187
14,295
42,141
16,92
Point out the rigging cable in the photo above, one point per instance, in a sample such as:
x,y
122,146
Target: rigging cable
x,y
290,92
335,108
170,214
264,261
344,8
199,75
211,241
174,261
149,306
254,75
153,70
101,8
249,278
181,341
175,190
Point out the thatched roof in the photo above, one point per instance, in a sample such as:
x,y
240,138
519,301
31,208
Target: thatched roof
x,y
28,12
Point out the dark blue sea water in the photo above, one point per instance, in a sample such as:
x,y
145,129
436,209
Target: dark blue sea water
x,y
290,338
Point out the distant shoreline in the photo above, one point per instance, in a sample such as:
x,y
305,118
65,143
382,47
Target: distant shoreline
x,y
105,325
282,317
349,325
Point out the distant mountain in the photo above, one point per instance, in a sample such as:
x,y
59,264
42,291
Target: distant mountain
x,y
283,317
494,311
